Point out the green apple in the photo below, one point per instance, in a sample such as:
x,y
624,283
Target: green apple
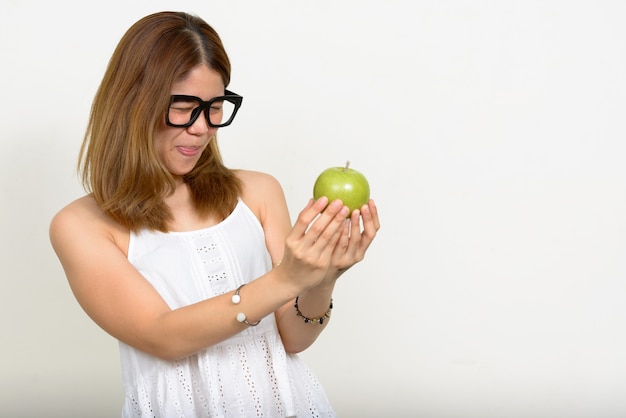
x,y
344,183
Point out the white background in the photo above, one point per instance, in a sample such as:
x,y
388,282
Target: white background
x,y
493,136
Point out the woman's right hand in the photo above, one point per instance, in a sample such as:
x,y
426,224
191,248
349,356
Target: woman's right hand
x,y
310,244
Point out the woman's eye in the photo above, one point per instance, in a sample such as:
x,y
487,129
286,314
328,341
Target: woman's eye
x,y
183,107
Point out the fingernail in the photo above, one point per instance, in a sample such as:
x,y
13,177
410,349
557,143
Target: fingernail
x,y
336,204
323,199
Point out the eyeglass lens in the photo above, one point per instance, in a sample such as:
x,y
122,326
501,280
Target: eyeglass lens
x,y
184,110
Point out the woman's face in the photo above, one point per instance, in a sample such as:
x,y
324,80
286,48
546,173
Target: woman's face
x,y
179,149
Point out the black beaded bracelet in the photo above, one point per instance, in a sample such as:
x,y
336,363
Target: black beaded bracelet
x,y
319,320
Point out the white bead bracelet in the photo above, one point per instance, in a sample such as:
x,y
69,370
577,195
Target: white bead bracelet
x,y
241,317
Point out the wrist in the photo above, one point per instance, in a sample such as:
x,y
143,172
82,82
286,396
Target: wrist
x,y
322,291
285,283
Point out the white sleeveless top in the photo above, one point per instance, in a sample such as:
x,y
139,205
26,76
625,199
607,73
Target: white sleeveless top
x,y
247,375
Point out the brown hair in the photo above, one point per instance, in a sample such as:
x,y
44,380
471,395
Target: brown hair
x,y
119,165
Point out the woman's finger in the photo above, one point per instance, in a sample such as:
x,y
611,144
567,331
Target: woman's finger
x,y
324,229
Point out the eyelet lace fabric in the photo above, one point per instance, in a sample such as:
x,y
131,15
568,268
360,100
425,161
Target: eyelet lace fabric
x,y
248,375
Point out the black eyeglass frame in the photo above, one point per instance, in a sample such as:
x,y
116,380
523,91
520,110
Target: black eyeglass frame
x,y
203,107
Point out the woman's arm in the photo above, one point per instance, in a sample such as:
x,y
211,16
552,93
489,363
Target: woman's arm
x,y
356,236
120,300
289,245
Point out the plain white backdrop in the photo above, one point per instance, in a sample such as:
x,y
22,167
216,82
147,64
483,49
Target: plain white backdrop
x,y
493,136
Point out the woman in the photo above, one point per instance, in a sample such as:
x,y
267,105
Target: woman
x,y
193,267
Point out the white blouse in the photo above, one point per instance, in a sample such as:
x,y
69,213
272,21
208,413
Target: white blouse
x,y
249,374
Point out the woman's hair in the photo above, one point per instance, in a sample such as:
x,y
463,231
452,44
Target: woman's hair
x,y
119,164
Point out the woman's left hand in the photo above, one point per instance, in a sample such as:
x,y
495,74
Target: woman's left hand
x,y
358,233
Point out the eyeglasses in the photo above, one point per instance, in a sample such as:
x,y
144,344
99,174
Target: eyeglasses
x,y
220,111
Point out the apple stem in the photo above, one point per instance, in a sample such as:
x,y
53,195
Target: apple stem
x,y
347,166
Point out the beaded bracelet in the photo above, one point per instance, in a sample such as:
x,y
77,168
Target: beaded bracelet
x,y
319,320
241,317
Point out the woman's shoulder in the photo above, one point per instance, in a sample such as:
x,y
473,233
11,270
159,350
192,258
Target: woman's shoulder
x,y
262,193
258,183
255,177
83,218
82,210
76,211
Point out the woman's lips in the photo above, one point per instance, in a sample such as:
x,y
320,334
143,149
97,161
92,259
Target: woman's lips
x,y
188,151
